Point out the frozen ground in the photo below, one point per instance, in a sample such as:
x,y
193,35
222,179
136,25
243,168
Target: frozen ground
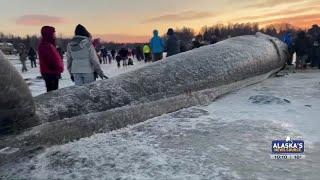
x,y
228,139
37,86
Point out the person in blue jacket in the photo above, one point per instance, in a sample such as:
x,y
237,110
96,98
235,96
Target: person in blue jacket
x,y
287,38
157,46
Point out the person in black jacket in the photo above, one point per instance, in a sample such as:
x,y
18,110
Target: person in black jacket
x,y
104,55
139,53
113,54
301,48
316,46
118,59
173,44
32,55
313,33
124,53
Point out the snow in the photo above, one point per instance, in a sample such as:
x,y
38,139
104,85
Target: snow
x,y
228,139
37,86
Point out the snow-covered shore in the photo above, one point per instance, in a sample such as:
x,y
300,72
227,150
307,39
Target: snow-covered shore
x,y
228,139
37,86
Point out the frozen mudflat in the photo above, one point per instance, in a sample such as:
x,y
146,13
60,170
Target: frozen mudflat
x,y
228,139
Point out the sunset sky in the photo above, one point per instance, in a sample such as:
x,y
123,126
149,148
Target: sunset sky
x,y
134,20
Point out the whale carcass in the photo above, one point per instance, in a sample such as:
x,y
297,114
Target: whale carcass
x,y
187,79
17,108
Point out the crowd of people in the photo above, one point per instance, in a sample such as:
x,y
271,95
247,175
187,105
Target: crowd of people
x,y
151,52
306,45
85,55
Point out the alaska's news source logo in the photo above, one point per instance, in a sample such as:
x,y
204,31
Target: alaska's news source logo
x,y
288,149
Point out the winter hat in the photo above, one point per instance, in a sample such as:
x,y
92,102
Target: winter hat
x,y
81,31
170,32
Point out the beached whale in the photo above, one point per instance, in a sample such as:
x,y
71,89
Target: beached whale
x,y
208,67
17,109
187,79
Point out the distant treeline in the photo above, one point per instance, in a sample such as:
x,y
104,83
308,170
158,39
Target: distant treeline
x,y
185,35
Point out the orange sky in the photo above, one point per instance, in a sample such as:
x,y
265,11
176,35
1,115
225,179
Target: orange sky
x,y
134,20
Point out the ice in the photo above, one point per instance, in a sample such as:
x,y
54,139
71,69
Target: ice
x,y
228,139
8,150
263,99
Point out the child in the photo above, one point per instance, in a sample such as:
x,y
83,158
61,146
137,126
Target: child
x,y
109,57
118,59
32,57
147,53
130,62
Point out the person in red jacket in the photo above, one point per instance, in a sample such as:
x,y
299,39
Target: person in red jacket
x,y
51,64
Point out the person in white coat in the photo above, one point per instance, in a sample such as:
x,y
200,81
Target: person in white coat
x,y
82,59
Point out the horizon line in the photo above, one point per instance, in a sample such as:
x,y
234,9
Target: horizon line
x,y
144,38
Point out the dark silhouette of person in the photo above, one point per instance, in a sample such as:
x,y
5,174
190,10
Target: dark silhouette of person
x,y
172,44
301,48
32,55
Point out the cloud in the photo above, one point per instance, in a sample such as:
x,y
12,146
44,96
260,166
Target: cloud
x,y
38,19
272,3
183,16
302,21
300,15
287,13
122,38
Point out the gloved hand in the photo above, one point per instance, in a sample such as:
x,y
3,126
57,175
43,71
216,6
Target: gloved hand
x,y
95,75
72,78
102,76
